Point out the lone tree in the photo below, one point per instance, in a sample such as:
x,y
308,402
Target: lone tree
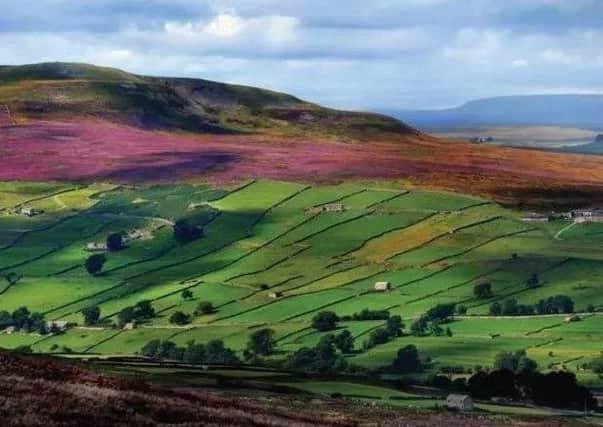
x,y
185,231
94,264
91,315
407,360
533,281
187,294
179,318
115,242
325,321
482,290
204,307
262,342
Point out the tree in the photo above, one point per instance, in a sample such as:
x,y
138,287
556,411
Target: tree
x,y
185,231
482,290
495,309
20,317
448,332
126,315
394,326
441,312
215,352
187,294
6,319
262,342
151,349
345,342
378,336
461,310
325,321
204,307
407,360
533,281
94,264
144,310
115,242
179,318
516,362
419,327
91,315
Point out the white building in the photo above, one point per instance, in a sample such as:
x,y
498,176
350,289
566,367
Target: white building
x,y
382,286
459,402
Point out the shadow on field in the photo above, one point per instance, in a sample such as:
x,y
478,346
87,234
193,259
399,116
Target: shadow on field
x,y
169,166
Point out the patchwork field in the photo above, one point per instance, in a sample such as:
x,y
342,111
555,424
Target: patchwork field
x,y
273,256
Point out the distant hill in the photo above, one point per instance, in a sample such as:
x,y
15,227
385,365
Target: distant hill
x,y
69,90
584,111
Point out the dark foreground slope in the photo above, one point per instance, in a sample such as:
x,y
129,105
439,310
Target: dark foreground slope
x,y
40,391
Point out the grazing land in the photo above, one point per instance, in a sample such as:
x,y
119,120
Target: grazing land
x,y
272,255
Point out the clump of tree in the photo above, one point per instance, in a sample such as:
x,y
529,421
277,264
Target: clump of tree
x,y
261,343
204,307
143,310
94,264
553,389
483,290
115,242
323,358
557,304
213,352
91,315
517,362
23,319
367,314
344,341
325,321
430,323
179,318
185,231
392,329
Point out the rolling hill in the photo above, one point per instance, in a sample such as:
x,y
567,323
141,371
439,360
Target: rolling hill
x,y
532,110
60,90
85,123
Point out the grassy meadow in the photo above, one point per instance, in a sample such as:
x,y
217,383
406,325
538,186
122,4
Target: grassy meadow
x,y
268,237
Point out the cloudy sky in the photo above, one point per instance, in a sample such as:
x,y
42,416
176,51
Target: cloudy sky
x,y
362,54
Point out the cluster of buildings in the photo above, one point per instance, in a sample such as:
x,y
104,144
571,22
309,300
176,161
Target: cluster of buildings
x,y
136,234
577,215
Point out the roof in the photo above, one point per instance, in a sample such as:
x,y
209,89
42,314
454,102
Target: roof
x,y
458,398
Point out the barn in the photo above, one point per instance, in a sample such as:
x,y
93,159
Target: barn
x,y
382,286
459,402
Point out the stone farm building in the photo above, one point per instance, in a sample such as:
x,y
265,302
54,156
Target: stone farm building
x,y
459,402
329,207
60,325
27,211
382,286
535,217
96,247
588,215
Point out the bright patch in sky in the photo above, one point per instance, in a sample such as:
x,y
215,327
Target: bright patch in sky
x,y
382,54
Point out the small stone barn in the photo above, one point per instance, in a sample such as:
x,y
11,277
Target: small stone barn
x,y
459,402
382,286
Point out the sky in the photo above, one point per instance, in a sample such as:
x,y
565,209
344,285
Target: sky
x,y
354,54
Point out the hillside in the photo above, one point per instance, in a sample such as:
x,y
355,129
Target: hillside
x,y
79,122
533,110
66,90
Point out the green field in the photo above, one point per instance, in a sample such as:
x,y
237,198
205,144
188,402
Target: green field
x,y
265,237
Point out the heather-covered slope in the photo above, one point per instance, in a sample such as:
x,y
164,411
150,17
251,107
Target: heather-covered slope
x,y
65,90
